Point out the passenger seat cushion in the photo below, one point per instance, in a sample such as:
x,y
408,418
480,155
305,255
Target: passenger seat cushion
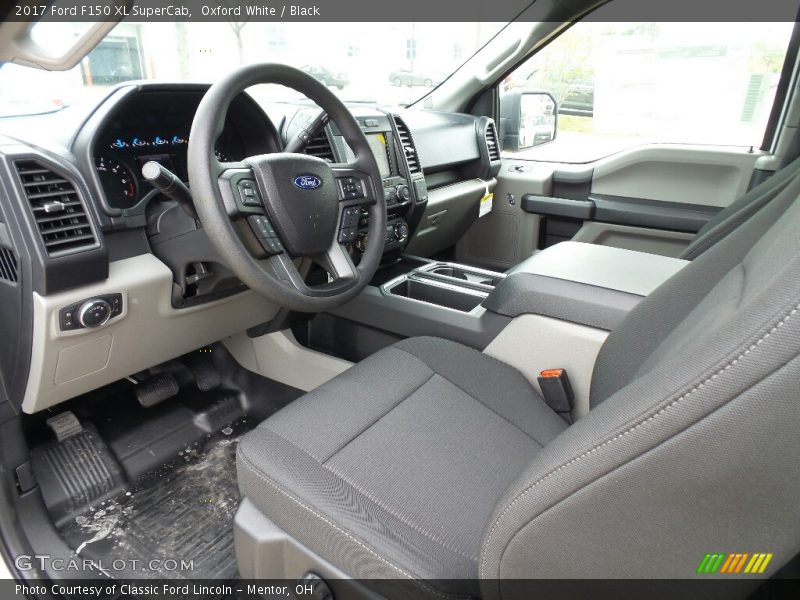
x,y
410,449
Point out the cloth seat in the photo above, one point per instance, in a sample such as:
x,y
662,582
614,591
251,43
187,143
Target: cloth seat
x,y
408,452
434,462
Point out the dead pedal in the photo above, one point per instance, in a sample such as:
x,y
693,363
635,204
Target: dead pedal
x,y
65,425
75,472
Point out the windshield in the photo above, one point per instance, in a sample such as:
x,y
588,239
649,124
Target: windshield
x,y
387,64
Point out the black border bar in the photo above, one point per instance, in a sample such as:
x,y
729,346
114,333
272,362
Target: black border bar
x,y
398,10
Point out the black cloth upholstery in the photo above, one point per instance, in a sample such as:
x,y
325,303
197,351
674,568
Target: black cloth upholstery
x,y
392,468
430,460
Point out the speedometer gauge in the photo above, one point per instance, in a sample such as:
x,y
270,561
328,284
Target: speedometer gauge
x,y
118,182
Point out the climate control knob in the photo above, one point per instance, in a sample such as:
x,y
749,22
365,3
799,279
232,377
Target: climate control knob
x,y
403,193
401,232
94,313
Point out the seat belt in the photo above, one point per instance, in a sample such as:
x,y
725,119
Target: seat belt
x,y
557,392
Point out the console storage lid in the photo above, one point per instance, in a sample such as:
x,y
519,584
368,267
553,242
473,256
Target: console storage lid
x,y
582,283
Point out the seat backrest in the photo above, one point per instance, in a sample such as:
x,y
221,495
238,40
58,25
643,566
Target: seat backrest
x,y
692,443
731,217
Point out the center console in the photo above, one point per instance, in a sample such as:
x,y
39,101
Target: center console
x,y
580,284
553,310
583,284
401,175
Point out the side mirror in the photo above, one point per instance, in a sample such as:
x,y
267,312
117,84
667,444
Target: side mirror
x,y
527,119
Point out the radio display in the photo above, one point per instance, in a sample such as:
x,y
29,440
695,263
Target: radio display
x,y
380,148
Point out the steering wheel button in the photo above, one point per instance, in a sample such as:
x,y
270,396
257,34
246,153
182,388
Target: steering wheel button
x,y
261,226
272,245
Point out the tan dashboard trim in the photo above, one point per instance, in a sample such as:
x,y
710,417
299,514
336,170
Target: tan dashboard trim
x,y
280,356
148,332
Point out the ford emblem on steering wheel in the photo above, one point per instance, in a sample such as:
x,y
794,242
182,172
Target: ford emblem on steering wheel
x,y
307,182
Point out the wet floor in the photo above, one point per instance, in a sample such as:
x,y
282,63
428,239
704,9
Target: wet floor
x,y
177,522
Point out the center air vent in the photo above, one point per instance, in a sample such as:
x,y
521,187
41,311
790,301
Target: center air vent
x,y
492,145
412,158
60,215
8,265
320,147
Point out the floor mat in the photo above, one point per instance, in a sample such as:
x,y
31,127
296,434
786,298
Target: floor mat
x,y
176,523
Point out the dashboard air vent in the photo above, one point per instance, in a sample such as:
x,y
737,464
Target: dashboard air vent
x,y
8,265
492,144
320,147
57,208
412,158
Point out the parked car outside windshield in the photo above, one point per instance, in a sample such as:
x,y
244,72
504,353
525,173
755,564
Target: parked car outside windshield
x,y
410,78
326,76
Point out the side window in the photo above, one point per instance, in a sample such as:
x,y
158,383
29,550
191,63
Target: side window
x,y
620,85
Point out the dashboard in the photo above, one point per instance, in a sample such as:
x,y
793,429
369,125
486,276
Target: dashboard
x,y
85,229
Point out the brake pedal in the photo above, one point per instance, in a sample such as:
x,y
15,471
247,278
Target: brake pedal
x,y
156,389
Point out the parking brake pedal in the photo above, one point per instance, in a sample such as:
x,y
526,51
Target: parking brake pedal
x,y
156,389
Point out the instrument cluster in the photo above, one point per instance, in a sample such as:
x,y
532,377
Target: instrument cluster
x,y
153,124
119,163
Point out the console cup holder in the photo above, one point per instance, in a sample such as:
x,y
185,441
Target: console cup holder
x,y
438,293
466,274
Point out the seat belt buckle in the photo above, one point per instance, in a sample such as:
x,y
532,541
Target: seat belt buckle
x,y
557,392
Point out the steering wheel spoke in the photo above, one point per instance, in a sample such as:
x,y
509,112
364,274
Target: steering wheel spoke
x,y
286,271
337,262
344,274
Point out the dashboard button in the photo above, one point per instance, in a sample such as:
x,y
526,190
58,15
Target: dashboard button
x,y
67,320
115,300
403,193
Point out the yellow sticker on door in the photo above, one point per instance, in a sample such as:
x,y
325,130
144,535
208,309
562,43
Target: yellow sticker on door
x,y
486,205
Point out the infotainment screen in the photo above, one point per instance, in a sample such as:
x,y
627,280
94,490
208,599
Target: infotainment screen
x,y
380,148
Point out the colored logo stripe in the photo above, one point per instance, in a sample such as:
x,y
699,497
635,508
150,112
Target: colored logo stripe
x,y
734,563
710,563
758,563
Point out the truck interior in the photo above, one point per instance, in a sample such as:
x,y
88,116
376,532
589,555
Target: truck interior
x,y
425,343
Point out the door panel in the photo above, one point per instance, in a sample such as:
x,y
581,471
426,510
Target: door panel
x,y
651,199
709,177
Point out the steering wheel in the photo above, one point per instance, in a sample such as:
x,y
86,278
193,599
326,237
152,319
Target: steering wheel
x,y
266,211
